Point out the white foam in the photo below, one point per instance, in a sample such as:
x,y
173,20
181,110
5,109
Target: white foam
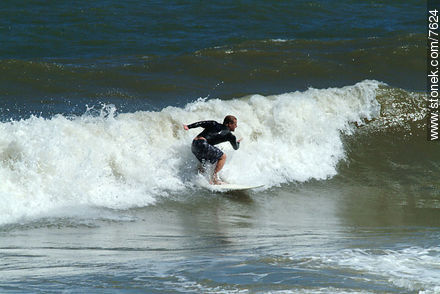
x,y
413,268
130,159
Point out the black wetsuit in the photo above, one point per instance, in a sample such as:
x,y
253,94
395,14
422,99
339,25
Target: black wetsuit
x,y
214,133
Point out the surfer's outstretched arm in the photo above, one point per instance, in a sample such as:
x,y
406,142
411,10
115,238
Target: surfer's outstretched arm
x,y
204,124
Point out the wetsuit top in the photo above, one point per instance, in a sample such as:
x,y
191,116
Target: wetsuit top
x,y
215,133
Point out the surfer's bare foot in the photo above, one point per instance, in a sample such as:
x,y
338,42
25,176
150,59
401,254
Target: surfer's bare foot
x,y
219,183
216,181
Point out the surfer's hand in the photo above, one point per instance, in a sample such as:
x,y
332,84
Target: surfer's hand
x,y
185,127
239,140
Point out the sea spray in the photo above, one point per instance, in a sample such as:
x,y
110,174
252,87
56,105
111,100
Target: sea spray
x,y
131,159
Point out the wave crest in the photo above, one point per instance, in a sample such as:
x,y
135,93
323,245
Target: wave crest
x,y
128,160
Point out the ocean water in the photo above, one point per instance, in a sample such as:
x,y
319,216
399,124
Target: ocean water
x,y
99,190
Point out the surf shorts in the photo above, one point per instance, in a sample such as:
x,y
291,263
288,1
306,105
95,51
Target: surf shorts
x,y
205,152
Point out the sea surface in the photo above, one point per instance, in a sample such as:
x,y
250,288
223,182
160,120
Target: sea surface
x,y
99,190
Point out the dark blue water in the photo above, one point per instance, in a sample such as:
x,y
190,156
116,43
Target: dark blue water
x,y
97,29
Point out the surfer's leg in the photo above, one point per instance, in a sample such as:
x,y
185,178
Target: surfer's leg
x,y
218,167
198,148
206,152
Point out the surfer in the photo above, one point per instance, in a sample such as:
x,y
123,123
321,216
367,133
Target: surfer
x,y
214,133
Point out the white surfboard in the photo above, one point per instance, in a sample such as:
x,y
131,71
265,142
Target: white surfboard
x,y
231,187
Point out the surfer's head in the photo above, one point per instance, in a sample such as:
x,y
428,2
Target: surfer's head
x,y
231,122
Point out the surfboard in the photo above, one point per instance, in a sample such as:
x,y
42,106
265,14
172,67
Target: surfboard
x,y
232,187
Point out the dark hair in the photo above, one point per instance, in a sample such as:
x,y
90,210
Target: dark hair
x,y
229,119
